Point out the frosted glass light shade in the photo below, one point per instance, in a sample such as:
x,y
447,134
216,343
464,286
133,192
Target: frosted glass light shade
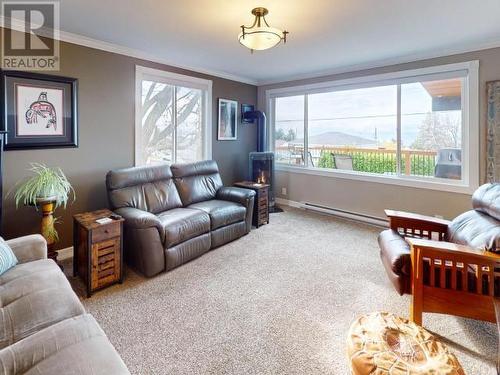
x,y
260,38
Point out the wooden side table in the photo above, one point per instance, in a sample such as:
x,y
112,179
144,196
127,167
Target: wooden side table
x,y
261,204
98,250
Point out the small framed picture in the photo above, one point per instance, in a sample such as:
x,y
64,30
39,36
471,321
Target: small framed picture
x,y
39,110
228,120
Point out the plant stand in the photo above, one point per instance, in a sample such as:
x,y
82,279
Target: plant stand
x,y
47,227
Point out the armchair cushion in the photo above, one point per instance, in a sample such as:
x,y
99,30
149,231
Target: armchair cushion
x,y
221,213
235,194
182,224
475,229
486,199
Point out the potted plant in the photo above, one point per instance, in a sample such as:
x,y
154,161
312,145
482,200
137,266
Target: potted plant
x,y
48,189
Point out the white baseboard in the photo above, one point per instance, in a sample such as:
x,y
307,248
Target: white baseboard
x,y
373,220
65,253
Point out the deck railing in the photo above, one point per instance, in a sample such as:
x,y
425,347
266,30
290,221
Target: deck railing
x,y
372,160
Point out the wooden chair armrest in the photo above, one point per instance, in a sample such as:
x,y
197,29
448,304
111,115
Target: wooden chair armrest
x,y
460,280
496,303
451,248
415,225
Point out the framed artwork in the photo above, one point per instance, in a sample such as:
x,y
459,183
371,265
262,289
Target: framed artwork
x,y
246,108
228,120
493,137
39,110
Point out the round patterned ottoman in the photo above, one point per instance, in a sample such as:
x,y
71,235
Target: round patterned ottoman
x,y
381,343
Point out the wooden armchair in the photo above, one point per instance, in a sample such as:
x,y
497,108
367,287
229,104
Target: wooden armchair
x,y
449,267
446,277
462,281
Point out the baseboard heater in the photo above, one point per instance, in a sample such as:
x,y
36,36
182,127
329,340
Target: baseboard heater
x,y
345,214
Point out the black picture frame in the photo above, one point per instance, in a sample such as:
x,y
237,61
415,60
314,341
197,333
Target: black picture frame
x,y
227,126
40,109
246,108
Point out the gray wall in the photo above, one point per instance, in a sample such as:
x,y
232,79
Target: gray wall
x,y
371,198
106,141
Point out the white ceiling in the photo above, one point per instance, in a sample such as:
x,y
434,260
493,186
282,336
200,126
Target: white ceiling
x,y
325,35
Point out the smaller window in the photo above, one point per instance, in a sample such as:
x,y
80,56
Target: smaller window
x,y
172,117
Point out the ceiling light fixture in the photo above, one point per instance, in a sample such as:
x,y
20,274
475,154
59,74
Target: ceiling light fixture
x,y
260,35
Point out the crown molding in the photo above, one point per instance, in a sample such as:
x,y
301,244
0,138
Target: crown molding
x,y
415,57
135,53
81,40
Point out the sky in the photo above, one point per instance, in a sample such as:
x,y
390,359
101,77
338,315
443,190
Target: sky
x,y
359,112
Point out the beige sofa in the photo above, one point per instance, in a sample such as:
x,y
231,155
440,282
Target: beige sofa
x,y
44,328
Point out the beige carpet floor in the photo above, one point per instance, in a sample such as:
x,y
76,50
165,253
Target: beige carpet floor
x,y
278,301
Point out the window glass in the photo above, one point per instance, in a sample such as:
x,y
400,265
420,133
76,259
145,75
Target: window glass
x,y
354,130
172,124
189,137
157,125
431,129
289,130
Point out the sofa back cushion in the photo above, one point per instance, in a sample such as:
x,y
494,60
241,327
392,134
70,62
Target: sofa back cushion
x,y
197,182
148,188
486,199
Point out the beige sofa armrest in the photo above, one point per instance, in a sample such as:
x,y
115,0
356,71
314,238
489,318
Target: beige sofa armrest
x,y
29,248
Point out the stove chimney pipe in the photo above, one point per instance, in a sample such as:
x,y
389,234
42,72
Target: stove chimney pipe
x,y
261,128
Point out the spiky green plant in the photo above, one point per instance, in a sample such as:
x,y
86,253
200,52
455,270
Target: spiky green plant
x,y
46,183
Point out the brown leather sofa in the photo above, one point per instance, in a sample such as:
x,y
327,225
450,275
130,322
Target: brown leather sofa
x,y
478,228
177,213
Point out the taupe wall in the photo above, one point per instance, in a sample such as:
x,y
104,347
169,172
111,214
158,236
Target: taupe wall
x,y
106,140
371,198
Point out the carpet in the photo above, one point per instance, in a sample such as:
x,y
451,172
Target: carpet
x,y
277,301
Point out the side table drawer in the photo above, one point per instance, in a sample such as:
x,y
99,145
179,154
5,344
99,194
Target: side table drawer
x,y
106,231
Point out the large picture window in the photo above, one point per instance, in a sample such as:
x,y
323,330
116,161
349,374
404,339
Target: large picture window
x,y
418,128
172,117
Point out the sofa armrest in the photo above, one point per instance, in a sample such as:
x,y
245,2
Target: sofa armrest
x,y
245,197
407,223
235,194
139,219
29,248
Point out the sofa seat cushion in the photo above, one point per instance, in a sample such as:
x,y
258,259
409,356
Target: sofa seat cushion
x,y
33,296
221,213
182,224
74,346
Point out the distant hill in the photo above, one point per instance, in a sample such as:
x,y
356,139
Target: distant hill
x,y
338,139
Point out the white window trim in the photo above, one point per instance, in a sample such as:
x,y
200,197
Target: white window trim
x,y
470,125
170,78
